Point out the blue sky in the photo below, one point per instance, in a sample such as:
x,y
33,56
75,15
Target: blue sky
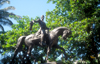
x,y
32,8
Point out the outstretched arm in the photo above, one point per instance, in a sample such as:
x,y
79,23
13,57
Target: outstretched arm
x,y
36,21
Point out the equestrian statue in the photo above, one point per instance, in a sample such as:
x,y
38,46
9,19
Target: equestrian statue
x,y
43,37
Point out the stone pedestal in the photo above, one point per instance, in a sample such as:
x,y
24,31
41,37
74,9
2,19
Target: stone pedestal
x,y
52,63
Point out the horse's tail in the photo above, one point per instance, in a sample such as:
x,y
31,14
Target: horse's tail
x,y
20,42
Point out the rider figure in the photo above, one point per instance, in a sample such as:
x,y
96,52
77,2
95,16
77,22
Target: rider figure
x,y
42,28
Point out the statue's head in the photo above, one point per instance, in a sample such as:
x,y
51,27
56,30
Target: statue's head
x,y
31,24
66,33
42,17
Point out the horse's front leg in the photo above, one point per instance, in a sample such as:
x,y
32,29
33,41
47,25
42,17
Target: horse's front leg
x,y
57,46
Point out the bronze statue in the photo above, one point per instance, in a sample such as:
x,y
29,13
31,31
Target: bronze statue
x,y
52,39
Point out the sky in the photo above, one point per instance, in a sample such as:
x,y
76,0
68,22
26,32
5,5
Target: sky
x,y
31,8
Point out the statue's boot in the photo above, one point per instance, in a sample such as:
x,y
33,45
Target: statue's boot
x,y
42,43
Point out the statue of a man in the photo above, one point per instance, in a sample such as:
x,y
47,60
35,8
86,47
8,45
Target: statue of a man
x,y
42,28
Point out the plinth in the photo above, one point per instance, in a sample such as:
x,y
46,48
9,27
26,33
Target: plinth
x,y
52,63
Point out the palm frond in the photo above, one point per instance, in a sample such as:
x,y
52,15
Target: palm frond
x,y
12,14
9,8
5,21
4,1
4,13
7,14
1,27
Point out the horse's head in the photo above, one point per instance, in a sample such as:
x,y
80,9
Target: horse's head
x,y
31,24
66,33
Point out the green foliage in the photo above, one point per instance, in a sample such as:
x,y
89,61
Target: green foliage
x,y
83,17
21,29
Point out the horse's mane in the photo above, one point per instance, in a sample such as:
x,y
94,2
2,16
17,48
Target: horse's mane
x,y
58,28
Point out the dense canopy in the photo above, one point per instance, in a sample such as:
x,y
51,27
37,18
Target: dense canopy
x,y
82,16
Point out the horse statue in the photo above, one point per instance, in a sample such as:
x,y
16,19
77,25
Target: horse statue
x,y
52,39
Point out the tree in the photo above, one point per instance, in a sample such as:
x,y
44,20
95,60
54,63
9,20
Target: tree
x,y
82,16
5,15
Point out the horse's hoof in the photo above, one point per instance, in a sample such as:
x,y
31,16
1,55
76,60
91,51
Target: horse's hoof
x,y
47,61
43,44
66,58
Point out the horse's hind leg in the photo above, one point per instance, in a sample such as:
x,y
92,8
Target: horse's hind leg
x,y
29,53
15,53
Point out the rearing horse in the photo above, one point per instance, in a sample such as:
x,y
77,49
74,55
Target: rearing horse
x,y
30,41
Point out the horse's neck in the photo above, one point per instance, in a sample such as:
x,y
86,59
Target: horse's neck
x,y
59,31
